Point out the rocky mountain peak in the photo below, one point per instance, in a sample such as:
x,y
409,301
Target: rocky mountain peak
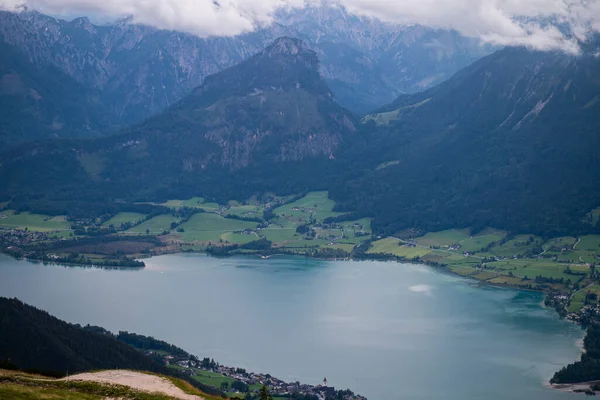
x,y
287,50
287,46
286,64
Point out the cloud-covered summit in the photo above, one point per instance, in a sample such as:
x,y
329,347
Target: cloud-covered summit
x,y
539,24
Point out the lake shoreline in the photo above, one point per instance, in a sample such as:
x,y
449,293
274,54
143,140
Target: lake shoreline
x,y
573,388
315,275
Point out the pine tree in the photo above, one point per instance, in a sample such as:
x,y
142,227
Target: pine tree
x,y
264,394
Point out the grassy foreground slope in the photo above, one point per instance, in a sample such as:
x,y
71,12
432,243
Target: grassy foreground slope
x,y
16,385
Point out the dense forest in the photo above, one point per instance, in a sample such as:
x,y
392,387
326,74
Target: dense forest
x,y
588,368
32,339
142,342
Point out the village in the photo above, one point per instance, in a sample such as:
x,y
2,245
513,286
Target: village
x,y
248,383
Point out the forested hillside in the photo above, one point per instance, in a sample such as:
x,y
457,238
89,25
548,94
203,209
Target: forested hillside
x,y
511,142
41,102
33,339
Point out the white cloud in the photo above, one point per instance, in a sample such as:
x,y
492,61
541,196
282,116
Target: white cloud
x,y
200,17
502,22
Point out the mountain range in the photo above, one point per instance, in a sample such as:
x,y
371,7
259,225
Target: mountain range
x,y
131,72
510,141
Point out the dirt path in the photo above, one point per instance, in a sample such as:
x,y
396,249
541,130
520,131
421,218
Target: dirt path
x,y
135,380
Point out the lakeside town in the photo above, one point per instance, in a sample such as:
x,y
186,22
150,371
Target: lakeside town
x,y
231,381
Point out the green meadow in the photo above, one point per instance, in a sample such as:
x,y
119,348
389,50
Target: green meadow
x,y
394,246
443,238
481,240
154,226
9,219
124,217
194,202
208,227
314,203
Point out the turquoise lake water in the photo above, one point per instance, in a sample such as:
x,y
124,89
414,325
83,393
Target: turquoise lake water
x,y
383,329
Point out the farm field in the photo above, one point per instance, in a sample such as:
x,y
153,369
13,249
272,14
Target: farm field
x,y
579,298
443,238
193,202
9,219
537,267
123,218
278,234
238,238
154,226
481,240
246,211
314,203
518,245
391,246
589,242
208,227
560,243
339,246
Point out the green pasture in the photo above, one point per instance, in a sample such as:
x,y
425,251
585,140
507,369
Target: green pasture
x,y
317,203
155,226
9,219
589,242
194,202
560,243
208,227
443,238
238,238
246,211
535,267
520,244
356,225
481,240
391,246
340,246
580,256
124,217
578,299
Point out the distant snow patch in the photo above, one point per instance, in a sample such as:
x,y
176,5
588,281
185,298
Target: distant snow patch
x,y
426,289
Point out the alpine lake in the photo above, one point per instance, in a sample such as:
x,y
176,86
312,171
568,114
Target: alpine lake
x,y
386,330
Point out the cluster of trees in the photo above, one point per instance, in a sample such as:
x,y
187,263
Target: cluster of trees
x,y
262,245
545,279
329,253
142,342
76,258
588,367
248,219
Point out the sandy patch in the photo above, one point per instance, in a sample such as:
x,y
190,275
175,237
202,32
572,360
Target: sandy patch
x,y
135,380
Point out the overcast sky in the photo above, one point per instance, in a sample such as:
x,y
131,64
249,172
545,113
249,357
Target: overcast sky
x,y
501,22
